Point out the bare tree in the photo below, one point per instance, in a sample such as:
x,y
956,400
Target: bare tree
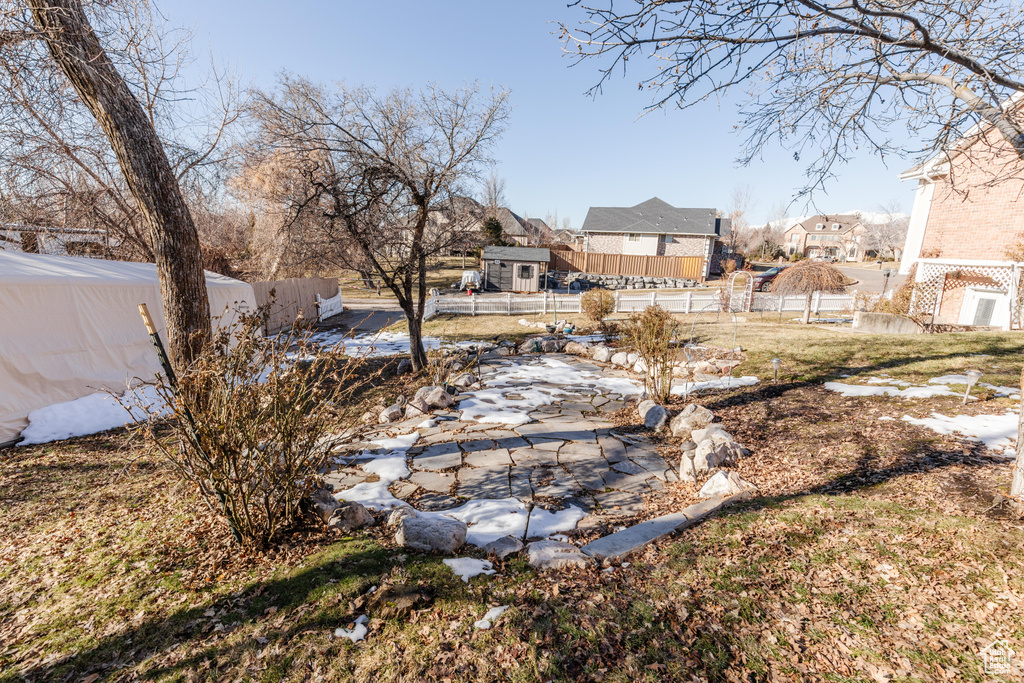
x,y
889,233
494,194
824,77
741,203
47,39
360,179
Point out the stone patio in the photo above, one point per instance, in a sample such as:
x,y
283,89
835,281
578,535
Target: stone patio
x,y
568,454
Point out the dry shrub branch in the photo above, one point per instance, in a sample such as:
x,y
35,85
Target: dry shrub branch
x,y
597,305
253,422
651,333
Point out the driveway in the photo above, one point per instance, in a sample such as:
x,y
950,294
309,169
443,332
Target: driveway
x,y
363,316
870,279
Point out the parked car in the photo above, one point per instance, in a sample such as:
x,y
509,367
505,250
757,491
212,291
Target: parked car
x,y
825,259
763,281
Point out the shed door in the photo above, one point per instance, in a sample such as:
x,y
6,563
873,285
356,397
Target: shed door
x,y
498,275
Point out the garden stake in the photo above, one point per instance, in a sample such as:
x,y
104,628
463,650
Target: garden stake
x,y
172,380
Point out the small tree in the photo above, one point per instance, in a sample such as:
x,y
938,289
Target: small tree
x,y
597,305
650,332
493,234
808,277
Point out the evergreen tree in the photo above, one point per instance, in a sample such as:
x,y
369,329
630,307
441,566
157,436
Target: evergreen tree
x,y
492,232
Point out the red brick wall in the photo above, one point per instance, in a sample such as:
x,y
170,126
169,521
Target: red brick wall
x,y
978,210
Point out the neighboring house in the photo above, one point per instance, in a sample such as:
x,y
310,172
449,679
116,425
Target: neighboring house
x,y
965,233
842,237
514,227
570,238
653,228
539,231
32,239
514,269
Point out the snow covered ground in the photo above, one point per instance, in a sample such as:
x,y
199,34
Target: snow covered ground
x,y
937,386
87,415
512,392
997,432
687,388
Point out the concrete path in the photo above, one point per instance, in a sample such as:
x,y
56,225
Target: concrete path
x,y
363,316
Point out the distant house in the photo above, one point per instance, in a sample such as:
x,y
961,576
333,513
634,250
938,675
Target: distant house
x,y
514,228
514,269
653,228
966,233
841,236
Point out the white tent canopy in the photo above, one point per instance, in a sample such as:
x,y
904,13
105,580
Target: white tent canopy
x,y
70,327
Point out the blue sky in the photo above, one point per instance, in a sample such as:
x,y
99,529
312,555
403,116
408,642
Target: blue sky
x,y
563,151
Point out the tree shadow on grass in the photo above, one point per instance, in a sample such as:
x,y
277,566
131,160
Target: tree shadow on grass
x,y
314,598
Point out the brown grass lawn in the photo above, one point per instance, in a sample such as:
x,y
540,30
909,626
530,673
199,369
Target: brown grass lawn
x,y
878,551
442,273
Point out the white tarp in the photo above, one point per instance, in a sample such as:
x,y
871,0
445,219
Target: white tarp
x,y
70,327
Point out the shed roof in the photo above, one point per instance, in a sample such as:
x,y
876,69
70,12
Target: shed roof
x,y
531,254
653,216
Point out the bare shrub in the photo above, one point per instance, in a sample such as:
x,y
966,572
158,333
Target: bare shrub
x,y
597,305
651,333
252,422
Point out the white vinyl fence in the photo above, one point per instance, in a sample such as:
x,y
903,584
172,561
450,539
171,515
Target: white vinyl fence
x,y
677,302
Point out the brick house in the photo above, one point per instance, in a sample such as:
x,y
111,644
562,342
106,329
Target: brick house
x,y
840,236
965,227
653,228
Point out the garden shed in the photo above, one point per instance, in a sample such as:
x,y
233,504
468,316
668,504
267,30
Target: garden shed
x,y
514,269
70,327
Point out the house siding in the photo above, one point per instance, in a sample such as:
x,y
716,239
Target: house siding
x,y
682,245
970,219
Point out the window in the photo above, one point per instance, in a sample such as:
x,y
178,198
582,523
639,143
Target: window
x,y
525,272
819,226
835,226
795,238
633,237
667,239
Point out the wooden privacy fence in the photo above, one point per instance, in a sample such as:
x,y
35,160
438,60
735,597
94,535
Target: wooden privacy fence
x,y
688,267
677,302
292,296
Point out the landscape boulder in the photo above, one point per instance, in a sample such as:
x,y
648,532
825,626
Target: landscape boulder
x,y
465,380
544,555
601,353
691,417
435,397
404,367
656,418
416,408
350,516
714,432
620,359
725,484
431,534
577,348
323,504
709,457
392,413
504,546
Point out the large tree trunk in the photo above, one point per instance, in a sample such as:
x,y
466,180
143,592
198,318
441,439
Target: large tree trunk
x,y
807,310
74,46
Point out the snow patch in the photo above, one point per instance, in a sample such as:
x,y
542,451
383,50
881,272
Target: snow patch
x,y
491,616
721,383
860,390
88,415
468,567
356,633
997,432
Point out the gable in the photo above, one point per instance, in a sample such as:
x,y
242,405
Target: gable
x,y
653,216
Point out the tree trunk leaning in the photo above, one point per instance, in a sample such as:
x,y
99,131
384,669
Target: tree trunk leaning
x,y
807,309
76,49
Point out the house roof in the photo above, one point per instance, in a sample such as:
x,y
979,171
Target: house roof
x,y
653,216
511,223
531,254
847,222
